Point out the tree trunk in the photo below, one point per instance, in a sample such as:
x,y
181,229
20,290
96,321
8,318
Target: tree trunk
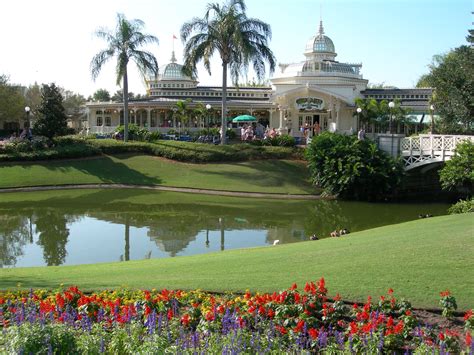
x,y
127,241
125,105
224,103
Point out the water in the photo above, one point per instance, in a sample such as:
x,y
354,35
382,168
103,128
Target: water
x,y
92,226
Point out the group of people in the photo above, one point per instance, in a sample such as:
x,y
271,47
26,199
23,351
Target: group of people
x,y
249,132
308,131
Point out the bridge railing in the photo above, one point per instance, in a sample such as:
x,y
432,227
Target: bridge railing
x,y
429,148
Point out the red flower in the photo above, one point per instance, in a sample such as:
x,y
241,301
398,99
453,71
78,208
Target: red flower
x,y
353,329
338,297
185,320
293,287
241,322
313,333
445,293
299,326
270,313
441,336
297,297
210,316
468,339
281,329
170,314
390,291
468,314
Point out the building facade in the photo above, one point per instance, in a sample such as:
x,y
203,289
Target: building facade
x,y
317,92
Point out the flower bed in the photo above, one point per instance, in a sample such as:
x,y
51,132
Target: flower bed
x,y
293,320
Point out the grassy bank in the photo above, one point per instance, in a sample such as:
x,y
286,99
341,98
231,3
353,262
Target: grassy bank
x,y
272,176
417,259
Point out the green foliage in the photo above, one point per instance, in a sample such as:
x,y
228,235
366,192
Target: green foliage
x,y
346,167
452,77
52,120
284,140
231,133
12,102
462,206
448,303
135,132
374,111
101,95
459,171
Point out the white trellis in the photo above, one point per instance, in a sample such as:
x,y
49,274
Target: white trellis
x,y
429,148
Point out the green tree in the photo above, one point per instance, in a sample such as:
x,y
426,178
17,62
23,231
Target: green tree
x,y
118,96
238,39
12,101
349,168
33,98
452,77
101,95
458,173
125,43
51,120
182,111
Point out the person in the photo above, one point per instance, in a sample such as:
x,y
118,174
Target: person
x,y
316,128
273,133
242,132
361,134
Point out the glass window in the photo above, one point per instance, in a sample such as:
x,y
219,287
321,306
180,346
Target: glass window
x,y
108,121
100,121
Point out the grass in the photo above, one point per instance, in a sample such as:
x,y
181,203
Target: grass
x,y
270,176
417,259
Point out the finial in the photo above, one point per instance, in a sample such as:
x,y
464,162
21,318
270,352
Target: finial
x,y
321,29
173,58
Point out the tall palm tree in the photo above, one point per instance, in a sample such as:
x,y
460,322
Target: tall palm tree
x,y
124,43
238,39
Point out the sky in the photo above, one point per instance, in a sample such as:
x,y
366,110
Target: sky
x,y
53,40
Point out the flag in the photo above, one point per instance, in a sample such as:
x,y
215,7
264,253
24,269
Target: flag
x,y
174,37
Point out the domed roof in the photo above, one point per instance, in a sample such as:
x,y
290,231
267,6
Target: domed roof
x,y
320,42
174,71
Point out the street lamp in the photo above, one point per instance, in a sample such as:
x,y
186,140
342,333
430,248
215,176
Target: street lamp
x,y
391,105
359,110
208,108
432,119
27,111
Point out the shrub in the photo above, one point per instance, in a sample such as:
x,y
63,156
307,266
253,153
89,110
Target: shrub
x,y
462,206
231,133
349,168
134,132
459,171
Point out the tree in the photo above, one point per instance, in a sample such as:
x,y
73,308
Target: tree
x,y
118,96
350,168
52,120
452,77
101,95
12,101
182,112
458,173
124,43
238,39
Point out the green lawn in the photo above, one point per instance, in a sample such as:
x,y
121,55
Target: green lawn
x,y
417,259
271,176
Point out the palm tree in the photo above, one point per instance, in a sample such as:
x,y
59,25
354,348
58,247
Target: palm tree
x,y
238,39
124,43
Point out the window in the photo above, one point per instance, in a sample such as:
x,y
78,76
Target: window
x,y
99,122
108,121
300,121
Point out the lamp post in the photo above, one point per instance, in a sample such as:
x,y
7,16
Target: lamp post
x,y
432,119
208,108
27,111
391,105
359,110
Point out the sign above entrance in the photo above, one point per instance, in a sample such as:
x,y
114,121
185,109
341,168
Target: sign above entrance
x,y
309,104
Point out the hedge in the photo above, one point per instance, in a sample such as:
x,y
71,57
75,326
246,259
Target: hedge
x,y
76,147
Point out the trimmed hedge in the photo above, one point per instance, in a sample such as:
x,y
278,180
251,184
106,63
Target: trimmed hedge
x,y
76,147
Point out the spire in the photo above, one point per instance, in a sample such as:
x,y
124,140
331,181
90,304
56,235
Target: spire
x,y
173,58
321,29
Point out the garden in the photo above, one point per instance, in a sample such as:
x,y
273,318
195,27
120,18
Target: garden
x,y
172,321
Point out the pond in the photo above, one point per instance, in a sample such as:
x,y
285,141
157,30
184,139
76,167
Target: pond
x,y
90,226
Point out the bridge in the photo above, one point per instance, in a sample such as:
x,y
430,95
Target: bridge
x,y
429,148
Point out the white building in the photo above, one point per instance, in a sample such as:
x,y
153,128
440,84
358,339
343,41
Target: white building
x,y
318,92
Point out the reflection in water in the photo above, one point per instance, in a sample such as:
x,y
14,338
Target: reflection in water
x,y
90,226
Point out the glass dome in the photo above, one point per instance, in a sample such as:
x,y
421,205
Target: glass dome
x,y
320,43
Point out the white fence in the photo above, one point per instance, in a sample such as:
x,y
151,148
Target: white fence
x,y
429,148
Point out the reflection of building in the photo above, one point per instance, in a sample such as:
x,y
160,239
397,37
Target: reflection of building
x,y
318,90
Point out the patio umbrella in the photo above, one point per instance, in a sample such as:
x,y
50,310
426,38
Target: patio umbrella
x,y
244,118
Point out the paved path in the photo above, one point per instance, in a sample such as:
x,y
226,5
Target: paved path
x,y
166,188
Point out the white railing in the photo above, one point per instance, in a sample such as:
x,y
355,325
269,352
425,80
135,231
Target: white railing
x,y
429,148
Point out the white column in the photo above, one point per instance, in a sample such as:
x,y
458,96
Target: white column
x,y
338,108
271,117
281,128
148,118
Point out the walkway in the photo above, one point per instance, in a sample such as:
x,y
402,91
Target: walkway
x,y
429,148
167,188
